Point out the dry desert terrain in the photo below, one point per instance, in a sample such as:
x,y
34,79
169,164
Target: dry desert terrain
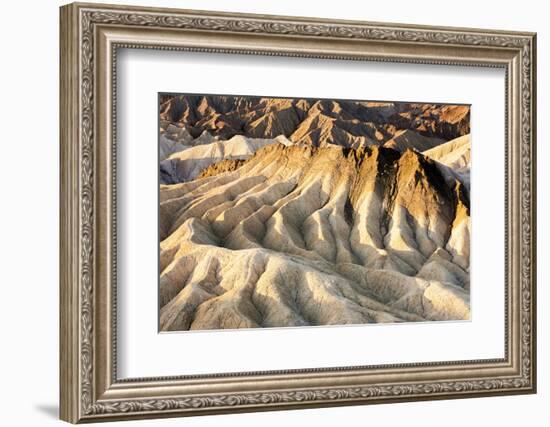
x,y
292,212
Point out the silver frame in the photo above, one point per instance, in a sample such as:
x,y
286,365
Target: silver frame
x,y
90,37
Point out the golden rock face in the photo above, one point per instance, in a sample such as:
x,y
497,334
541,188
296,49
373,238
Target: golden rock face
x,y
317,122
295,230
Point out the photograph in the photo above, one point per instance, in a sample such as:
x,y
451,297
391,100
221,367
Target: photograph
x,y
297,212
273,209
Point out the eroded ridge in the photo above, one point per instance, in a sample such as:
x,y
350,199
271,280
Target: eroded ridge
x,y
302,235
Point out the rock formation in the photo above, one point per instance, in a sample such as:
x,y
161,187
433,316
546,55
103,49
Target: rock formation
x,y
296,212
186,164
317,122
302,235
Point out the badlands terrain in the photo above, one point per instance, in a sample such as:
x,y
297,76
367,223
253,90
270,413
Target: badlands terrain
x,y
293,212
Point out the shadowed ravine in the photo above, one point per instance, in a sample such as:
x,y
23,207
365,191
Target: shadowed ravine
x,y
295,234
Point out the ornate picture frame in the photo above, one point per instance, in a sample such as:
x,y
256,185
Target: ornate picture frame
x,y
90,37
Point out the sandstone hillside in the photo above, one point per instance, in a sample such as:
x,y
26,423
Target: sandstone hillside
x,y
316,234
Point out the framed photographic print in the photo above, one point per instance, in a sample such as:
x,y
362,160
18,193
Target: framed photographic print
x,y
266,212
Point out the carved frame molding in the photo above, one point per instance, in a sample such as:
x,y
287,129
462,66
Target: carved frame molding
x,y
90,37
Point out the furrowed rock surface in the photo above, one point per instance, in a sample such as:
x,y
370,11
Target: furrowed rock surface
x,y
316,122
186,164
405,139
305,234
454,154
453,159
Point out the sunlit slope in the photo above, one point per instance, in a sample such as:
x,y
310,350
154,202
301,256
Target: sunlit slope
x,y
305,235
